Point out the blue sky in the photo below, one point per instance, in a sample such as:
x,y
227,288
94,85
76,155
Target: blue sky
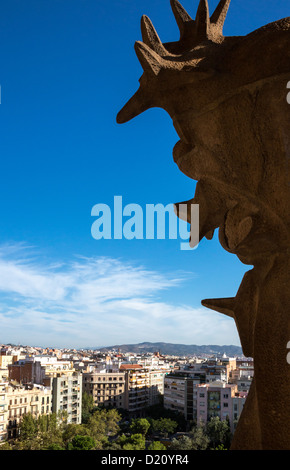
x,y
67,68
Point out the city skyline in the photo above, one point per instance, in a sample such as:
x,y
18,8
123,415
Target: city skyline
x,y
62,85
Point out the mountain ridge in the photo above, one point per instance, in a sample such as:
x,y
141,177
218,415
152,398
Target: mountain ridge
x,y
175,349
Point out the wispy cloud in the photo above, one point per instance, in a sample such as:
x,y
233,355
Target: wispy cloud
x,y
96,301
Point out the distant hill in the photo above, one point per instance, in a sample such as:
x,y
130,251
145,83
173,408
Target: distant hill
x,y
176,349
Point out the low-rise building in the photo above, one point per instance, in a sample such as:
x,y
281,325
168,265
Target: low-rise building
x,y
20,400
39,369
106,388
219,399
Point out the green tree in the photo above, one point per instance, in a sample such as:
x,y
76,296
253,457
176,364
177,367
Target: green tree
x,y
112,446
28,433
140,426
71,430
49,431
40,433
133,442
28,428
218,432
103,423
200,441
164,426
55,447
82,443
112,419
88,406
156,445
6,446
182,443
158,411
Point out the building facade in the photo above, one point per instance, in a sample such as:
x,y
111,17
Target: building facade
x,y
219,399
20,400
105,388
67,396
179,394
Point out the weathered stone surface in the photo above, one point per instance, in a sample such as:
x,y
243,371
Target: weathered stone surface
x,y
227,99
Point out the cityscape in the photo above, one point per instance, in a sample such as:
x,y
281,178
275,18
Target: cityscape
x,y
189,391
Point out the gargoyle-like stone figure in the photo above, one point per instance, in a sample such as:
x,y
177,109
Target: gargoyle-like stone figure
x,y
227,99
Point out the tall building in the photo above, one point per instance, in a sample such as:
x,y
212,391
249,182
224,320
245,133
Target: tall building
x,y
179,393
136,388
156,386
67,396
3,412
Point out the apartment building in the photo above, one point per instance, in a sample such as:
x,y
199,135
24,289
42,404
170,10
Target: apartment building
x,y
137,384
156,385
219,399
242,376
3,412
244,384
67,395
215,370
128,386
38,369
238,402
179,393
106,388
5,361
20,400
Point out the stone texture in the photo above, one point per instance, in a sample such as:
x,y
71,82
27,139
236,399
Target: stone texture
x,y
227,99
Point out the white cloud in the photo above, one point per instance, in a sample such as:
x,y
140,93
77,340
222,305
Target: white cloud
x,y
95,302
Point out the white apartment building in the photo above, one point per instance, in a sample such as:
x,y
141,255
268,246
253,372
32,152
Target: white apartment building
x,y
67,395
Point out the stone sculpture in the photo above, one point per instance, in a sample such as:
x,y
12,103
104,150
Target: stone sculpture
x,y
227,99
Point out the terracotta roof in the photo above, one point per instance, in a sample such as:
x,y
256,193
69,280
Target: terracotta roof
x,y
130,366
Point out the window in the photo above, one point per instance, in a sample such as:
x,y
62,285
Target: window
x,y
226,405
